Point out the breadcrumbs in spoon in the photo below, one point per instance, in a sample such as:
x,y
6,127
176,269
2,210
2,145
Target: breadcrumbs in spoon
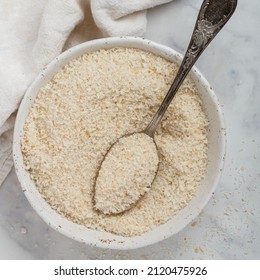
x,y
126,173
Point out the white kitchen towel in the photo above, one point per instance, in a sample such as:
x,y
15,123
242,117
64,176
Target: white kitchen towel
x,y
34,32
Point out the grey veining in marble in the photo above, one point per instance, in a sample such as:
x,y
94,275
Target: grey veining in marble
x,y
229,226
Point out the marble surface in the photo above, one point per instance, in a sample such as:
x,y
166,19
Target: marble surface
x,y
228,227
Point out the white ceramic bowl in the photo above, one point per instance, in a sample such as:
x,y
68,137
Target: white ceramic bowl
x,y
216,153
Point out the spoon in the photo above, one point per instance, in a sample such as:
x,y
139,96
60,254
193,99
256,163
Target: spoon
x,y
129,167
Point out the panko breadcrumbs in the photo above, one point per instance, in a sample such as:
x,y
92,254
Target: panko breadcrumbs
x,y
126,173
90,103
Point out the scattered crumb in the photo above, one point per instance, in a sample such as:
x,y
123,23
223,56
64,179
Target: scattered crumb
x,y
193,224
23,230
197,250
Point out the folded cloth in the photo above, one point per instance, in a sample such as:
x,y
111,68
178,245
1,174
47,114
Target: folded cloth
x,y
34,32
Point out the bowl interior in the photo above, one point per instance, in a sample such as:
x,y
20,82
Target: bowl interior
x,y
78,232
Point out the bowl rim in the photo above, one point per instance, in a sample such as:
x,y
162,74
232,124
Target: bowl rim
x,y
114,241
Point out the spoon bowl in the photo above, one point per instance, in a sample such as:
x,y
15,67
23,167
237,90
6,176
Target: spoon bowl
x,y
126,173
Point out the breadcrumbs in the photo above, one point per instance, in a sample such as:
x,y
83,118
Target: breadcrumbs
x,y
90,103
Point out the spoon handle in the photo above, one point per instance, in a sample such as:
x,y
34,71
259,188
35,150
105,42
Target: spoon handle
x,y
213,15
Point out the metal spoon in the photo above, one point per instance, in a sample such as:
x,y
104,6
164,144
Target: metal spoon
x,y
213,15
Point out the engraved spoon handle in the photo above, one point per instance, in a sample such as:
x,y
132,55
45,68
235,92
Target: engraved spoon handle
x,y
213,15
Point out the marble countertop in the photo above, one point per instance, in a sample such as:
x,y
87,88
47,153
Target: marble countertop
x,y
229,226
